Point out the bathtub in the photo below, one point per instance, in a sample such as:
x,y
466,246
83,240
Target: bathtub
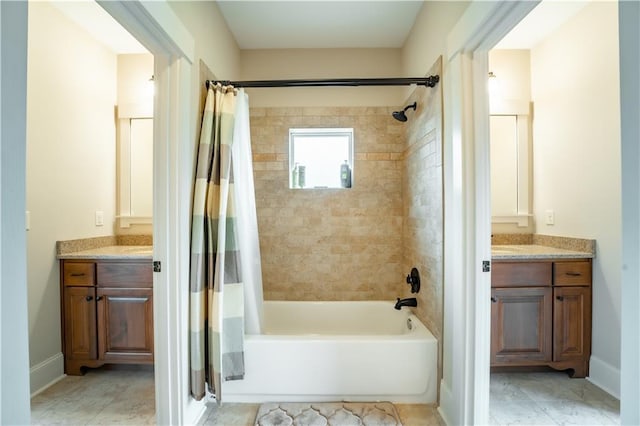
x,y
334,351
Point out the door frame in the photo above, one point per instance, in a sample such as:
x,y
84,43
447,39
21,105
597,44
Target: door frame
x,y
155,25
465,383
464,390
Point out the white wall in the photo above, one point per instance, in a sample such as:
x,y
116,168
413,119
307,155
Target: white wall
x,y
577,169
71,96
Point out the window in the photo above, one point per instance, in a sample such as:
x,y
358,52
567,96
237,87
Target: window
x,y
320,158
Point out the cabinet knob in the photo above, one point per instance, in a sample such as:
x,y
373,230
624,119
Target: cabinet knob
x,y
494,300
560,298
88,298
99,298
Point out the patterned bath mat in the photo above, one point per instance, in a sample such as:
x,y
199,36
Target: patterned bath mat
x,y
328,414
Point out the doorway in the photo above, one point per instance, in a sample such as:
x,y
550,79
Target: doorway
x,y
563,128
76,75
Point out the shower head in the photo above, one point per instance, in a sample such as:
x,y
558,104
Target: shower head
x,y
400,115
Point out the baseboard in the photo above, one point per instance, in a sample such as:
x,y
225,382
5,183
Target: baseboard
x,y
194,411
46,373
445,409
605,376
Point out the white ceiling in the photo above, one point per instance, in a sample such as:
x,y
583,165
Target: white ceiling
x,y
269,24
320,24
100,25
540,22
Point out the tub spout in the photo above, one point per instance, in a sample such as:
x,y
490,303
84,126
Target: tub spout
x,y
412,301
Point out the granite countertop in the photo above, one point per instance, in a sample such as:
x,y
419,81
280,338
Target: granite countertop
x,y
111,252
534,251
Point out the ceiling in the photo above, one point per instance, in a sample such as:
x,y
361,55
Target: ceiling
x,y
320,24
309,24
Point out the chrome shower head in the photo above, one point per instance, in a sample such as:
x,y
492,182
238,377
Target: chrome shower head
x,y
400,115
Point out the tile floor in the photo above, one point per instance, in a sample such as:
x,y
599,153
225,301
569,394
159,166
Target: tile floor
x,y
125,395
122,394
549,398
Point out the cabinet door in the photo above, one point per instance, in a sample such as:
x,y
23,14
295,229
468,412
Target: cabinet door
x,y
80,338
521,325
125,324
572,323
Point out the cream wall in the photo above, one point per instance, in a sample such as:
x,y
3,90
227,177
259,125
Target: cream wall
x,y
216,52
283,64
428,37
577,168
134,72
71,94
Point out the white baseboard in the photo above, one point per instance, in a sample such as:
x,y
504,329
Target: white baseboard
x,y
446,403
194,411
605,376
46,373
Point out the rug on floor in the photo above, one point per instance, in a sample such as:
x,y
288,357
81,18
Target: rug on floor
x,y
328,414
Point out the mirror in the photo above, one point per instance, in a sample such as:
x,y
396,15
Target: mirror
x,y
510,149
135,166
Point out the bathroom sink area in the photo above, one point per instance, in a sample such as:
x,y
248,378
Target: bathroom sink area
x,y
533,251
111,252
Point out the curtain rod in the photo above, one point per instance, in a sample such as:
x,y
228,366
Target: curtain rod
x,y
430,81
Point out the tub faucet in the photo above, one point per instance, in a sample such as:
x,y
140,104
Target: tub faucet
x,y
412,301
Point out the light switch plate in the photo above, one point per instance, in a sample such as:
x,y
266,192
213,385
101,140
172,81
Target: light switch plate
x,y
550,217
27,219
99,218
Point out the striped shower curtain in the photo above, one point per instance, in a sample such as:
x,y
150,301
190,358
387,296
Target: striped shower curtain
x,y
217,299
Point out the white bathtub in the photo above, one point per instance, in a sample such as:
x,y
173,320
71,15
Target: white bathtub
x,y
332,351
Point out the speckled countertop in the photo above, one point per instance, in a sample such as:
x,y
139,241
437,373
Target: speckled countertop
x,y
111,247
111,252
534,251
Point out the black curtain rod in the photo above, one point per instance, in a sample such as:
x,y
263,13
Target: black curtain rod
x,y
430,81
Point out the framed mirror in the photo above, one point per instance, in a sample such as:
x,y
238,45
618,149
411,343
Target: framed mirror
x,y
134,166
510,140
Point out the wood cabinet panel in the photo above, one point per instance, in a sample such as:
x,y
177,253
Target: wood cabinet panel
x,y
572,273
80,323
78,273
125,274
126,324
521,274
572,323
521,324
542,324
107,313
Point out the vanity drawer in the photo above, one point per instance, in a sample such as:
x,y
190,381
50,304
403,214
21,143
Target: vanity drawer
x,y
521,274
125,274
78,273
572,273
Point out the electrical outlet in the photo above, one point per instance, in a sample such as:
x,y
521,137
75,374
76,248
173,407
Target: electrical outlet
x,y
550,217
99,218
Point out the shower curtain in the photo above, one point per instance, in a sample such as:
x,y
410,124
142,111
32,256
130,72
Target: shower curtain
x,y
217,287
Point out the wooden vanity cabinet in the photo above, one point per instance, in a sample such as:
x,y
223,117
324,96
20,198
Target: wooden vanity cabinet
x,y
107,313
541,314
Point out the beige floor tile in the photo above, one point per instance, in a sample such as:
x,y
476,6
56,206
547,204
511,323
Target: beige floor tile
x,y
419,415
231,414
549,398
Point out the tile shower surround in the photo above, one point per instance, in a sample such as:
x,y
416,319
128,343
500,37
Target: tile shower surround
x,y
330,244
